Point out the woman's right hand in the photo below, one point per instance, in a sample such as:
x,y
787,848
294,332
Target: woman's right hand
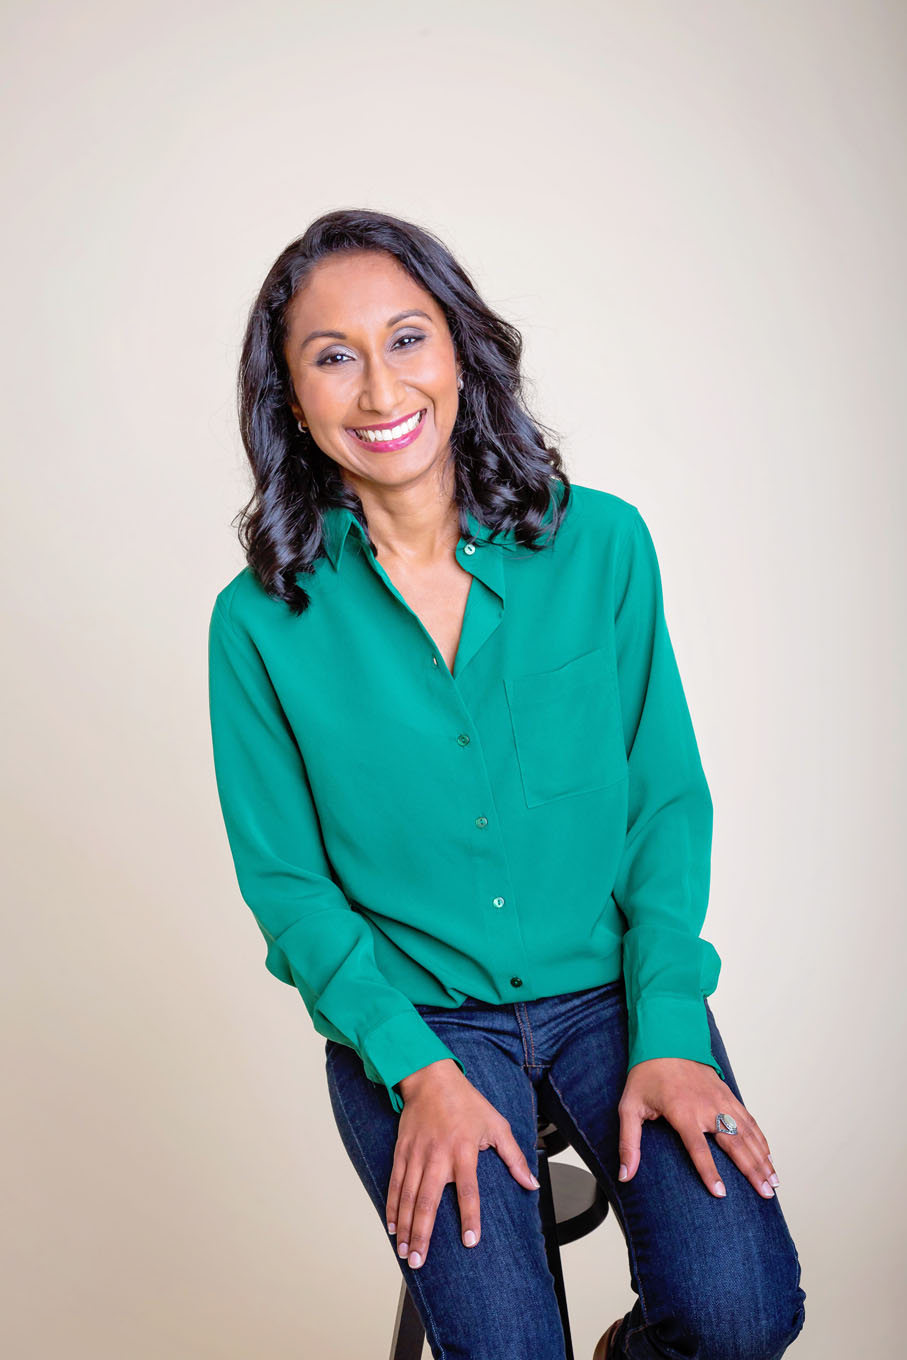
x,y
444,1125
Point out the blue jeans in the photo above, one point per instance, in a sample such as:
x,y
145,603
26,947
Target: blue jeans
x,y
715,1279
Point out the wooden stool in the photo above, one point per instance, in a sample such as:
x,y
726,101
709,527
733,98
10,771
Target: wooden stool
x,y
571,1204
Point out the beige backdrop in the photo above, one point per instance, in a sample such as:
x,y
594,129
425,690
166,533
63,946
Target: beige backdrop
x,y
696,214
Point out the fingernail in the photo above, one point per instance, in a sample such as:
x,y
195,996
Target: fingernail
x,y
622,1173
470,1238
402,1248
535,1184
719,1188
770,1158
774,1179
391,1227
415,1259
767,1190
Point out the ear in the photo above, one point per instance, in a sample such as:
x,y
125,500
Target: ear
x,y
298,413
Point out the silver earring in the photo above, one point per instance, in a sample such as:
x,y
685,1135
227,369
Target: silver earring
x,y
302,428
460,382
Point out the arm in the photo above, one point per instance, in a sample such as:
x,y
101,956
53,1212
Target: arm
x,y
315,939
662,883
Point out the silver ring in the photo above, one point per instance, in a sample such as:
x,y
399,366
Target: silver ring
x,y
725,1124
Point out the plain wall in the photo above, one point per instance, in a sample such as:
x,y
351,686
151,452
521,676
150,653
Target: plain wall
x,y
695,213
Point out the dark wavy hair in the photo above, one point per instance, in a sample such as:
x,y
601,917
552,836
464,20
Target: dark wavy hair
x,y
503,468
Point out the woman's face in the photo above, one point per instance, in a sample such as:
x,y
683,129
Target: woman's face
x,y
389,357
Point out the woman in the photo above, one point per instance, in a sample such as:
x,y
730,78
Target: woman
x,y
465,804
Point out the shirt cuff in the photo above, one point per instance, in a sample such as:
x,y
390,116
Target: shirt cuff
x,y
397,1048
671,1027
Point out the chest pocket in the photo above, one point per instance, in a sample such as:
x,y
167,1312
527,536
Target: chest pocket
x,y
567,728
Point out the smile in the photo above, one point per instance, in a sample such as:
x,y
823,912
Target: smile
x,y
390,436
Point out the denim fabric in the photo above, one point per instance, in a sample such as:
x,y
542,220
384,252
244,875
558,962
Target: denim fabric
x,y
714,1279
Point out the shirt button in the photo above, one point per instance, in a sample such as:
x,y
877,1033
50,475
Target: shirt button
x,y
481,821
463,739
516,982
470,548
498,902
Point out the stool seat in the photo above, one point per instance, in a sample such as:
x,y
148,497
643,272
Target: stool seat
x,y
571,1204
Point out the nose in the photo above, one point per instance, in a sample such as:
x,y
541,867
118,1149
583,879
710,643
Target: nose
x,y
381,392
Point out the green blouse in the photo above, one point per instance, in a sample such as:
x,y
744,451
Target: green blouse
x,y
535,822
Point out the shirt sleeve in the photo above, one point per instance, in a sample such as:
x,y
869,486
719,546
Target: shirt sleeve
x,y
316,941
662,883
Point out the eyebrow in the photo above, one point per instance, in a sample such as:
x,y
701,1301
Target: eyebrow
x,y
339,335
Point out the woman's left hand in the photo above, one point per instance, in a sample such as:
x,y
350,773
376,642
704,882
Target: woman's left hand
x,y
689,1095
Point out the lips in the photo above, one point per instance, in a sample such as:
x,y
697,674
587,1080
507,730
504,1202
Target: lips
x,y
390,445
388,424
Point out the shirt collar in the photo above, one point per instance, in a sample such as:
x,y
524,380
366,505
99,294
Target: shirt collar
x,y
339,521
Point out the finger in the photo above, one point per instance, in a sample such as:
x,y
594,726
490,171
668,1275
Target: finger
x,y
748,1148
628,1146
392,1208
407,1205
746,1155
468,1196
696,1144
763,1152
511,1154
434,1178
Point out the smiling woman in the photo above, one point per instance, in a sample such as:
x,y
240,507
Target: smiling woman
x,y
466,807
391,387
362,325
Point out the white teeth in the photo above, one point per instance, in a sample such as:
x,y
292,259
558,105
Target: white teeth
x,y
382,436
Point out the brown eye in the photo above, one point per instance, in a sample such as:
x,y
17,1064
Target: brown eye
x,y
326,359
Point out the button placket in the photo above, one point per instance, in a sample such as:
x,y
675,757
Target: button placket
x,y
489,857
507,930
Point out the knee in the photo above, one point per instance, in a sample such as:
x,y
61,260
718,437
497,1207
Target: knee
x,y
755,1327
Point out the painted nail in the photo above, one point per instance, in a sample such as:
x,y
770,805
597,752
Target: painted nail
x,y
470,1238
767,1190
622,1173
719,1188
774,1179
415,1259
402,1248
391,1227
535,1184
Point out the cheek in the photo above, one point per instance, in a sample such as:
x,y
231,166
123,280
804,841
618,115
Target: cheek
x,y
441,384
327,402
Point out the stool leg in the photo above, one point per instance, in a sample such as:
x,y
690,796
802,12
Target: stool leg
x,y
552,1247
409,1334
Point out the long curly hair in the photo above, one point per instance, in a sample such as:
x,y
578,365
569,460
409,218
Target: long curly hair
x,y
503,467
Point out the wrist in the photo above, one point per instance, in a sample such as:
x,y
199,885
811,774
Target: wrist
x,y
408,1086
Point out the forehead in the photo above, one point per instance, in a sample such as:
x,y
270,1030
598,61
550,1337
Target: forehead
x,y
364,288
